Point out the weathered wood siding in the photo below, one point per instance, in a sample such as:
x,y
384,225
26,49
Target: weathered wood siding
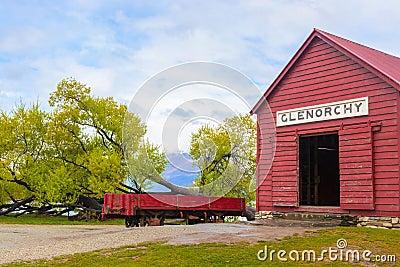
x,y
369,159
266,141
356,167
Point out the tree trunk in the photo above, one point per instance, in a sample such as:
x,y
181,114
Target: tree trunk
x,y
90,203
250,213
17,205
174,188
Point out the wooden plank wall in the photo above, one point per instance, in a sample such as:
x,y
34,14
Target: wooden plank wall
x,y
322,75
356,167
266,141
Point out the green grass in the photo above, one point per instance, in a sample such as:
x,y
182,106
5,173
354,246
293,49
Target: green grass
x,y
51,220
379,241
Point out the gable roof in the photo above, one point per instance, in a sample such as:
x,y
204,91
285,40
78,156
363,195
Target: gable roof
x,y
385,66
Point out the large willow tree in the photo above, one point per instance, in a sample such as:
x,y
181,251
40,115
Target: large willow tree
x,y
73,154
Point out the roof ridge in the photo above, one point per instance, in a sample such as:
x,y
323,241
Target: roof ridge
x,y
382,64
356,43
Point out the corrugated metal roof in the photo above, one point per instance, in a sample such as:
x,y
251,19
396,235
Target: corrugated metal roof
x,y
388,65
382,64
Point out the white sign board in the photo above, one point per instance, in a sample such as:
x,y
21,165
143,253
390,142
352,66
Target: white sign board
x,y
330,111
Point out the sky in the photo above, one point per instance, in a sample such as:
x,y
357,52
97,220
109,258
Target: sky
x,y
115,46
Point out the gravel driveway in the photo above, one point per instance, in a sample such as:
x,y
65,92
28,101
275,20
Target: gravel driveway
x,y
27,242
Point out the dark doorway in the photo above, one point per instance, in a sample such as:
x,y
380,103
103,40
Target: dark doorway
x,y
319,170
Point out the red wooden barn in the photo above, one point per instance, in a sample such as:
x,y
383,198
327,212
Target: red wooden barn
x,y
336,109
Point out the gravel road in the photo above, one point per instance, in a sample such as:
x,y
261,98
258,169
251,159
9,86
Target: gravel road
x,y
28,242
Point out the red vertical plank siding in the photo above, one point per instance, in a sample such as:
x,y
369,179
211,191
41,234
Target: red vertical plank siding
x,y
284,187
398,147
257,169
356,167
266,147
370,175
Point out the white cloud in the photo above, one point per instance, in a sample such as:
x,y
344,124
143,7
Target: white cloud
x,y
8,94
115,46
22,38
177,112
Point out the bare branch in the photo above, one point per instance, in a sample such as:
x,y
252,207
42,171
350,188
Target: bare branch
x,y
17,204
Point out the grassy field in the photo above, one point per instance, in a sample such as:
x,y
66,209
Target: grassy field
x,y
378,241
60,220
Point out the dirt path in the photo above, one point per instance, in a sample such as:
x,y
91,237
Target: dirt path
x,y
27,242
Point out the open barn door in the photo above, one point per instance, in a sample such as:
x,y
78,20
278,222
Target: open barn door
x,y
319,170
356,167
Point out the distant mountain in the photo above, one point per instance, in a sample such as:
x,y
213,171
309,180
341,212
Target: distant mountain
x,y
180,170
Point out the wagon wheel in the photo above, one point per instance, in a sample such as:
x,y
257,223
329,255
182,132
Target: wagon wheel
x,y
162,219
218,217
143,221
128,221
135,222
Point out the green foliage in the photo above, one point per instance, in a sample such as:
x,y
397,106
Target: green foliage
x,y
226,156
145,164
86,135
15,190
76,149
22,149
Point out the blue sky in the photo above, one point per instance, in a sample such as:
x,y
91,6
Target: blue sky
x,y
114,46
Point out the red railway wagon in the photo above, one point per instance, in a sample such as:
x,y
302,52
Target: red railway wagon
x,y
152,209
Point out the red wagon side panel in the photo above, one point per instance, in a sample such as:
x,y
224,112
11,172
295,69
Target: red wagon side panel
x,y
119,204
159,202
228,204
192,203
127,204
